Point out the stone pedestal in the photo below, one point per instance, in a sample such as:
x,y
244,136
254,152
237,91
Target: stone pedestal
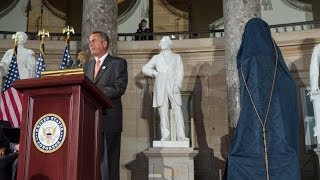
x,y
315,98
170,163
317,151
175,144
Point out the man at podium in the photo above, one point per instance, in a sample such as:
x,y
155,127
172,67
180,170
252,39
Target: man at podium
x,y
110,74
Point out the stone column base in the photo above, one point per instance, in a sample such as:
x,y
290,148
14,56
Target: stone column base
x,y
174,163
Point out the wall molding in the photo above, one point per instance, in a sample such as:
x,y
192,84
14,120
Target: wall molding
x,y
298,5
54,10
174,10
6,9
129,11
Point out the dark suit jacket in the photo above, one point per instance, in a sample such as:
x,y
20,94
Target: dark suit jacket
x,y
112,79
144,37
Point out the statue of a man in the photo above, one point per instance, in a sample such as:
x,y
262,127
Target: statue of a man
x,y
167,68
25,58
314,89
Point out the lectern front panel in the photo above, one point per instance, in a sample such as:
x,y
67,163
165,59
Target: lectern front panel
x,y
61,104
60,136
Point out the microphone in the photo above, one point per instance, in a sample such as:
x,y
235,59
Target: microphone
x,y
70,64
77,62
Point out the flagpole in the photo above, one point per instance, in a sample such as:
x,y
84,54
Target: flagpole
x,y
67,30
15,38
40,67
42,34
10,99
66,59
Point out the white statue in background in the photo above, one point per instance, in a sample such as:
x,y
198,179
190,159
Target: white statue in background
x,y
25,57
314,89
167,68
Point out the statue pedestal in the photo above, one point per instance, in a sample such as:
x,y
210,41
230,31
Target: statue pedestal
x,y
171,144
317,151
171,163
315,98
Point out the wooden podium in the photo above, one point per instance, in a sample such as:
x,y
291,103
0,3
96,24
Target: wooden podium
x,y
60,136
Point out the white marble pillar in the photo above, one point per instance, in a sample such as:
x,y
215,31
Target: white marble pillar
x,y
171,163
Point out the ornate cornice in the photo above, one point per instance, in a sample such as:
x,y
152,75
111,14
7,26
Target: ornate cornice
x,y
174,10
54,10
298,5
128,9
127,13
7,6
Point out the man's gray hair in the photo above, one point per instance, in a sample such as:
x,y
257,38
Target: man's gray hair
x,y
104,36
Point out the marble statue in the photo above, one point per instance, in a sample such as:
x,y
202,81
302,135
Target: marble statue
x,y
314,89
25,57
167,68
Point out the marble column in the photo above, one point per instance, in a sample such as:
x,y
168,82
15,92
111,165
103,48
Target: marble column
x,y
315,10
236,13
100,15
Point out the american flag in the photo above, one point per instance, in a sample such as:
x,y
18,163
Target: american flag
x,y
41,66
10,102
66,57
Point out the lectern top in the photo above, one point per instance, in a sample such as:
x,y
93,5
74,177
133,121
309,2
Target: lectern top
x,y
64,80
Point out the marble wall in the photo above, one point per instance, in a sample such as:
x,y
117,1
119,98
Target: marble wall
x,y
205,78
50,22
166,21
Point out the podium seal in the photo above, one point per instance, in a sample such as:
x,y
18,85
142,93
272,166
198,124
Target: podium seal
x,y
49,133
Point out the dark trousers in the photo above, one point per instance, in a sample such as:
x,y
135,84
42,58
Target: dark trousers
x,y
8,166
112,150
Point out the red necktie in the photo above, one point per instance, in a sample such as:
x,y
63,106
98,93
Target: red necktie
x,y
96,68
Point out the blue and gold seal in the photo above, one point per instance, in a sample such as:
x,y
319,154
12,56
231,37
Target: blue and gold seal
x,y
49,133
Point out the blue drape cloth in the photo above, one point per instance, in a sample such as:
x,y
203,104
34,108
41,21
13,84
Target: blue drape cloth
x,y
246,157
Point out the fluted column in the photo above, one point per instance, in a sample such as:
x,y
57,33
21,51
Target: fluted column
x,y
236,13
100,15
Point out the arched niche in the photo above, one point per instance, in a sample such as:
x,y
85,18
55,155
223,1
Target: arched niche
x,y
6,6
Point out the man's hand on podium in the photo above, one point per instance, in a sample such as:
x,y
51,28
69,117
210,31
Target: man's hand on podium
x,y
17,148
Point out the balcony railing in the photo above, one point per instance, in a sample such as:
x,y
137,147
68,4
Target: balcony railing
x,y
300,26
279,28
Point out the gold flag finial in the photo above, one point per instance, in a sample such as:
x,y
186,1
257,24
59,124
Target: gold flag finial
x,y
68,30
15,38
43,34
